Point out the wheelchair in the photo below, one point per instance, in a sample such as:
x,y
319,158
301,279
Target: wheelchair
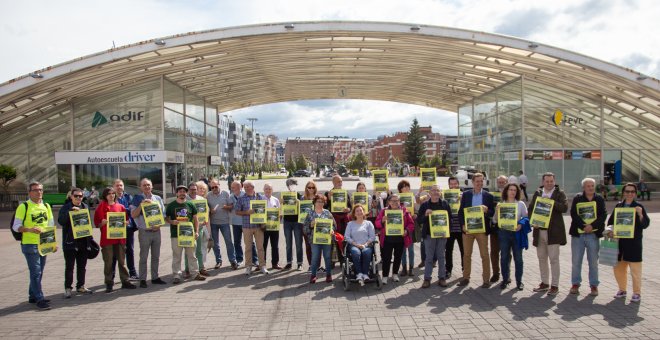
x,y
349,274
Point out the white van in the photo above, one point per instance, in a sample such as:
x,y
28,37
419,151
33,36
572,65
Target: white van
x,y
464,177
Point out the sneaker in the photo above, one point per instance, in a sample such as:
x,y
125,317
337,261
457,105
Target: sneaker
x,y
108,288
312,279
447,275
288,266
636,298
83,290
128,285
385,280
361,281
240,263
420,265
248,271
410,272
218,265
143,283
395,278
541,288
43,305
234,266
463,282
176,281
32,300
495,278
485,285
276,267
404,272
204,272
160,281
520,286
594,291
67,293
442,283
199,277
504,284
620,294
299,268
426,284
575,289
554,290
264,270
328,278
134,278
322,270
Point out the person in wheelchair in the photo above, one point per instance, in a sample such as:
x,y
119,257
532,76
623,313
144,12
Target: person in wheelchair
x,y
359,237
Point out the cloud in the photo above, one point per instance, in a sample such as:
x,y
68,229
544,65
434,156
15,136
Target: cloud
x,y
523,23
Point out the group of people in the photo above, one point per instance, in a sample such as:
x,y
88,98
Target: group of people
x,y
225,214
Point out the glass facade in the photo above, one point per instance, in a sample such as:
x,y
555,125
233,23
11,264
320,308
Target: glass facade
x,y
538,127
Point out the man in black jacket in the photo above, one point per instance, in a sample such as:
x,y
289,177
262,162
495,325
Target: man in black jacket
x,y
587,227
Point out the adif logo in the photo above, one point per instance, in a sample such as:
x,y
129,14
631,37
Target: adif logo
x,y
558,118
131,116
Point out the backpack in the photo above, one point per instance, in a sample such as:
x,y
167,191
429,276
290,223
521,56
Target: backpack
x,y
18,236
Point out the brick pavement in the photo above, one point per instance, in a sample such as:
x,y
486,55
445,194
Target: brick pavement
x,y
284,305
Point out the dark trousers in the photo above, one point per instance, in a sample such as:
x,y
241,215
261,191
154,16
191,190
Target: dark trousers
x,y
308,249
524,190
387,250
130,251
80,259
449,250
274,237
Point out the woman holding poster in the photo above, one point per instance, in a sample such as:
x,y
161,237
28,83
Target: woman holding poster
x,y
508,215
110,217
74,249
393,239
318,225
630,249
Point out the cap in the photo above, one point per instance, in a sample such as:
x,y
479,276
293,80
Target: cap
x,y
181,187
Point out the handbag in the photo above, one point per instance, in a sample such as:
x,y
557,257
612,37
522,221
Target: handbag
x,y
609,252
93,249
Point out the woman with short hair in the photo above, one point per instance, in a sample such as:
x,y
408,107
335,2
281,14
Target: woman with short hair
x,y
319,213
394,244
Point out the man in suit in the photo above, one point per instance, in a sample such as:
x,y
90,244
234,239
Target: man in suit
x,y
474,198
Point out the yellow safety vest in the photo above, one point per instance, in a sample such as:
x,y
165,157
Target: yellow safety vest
x,y
37,215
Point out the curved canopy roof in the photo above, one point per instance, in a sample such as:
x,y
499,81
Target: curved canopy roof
x,y
251,65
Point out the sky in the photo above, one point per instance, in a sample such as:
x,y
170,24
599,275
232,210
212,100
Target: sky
x,y
36,34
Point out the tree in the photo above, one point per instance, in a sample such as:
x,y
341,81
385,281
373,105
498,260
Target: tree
x,y
301,162
7,175
290,165
358,162
414,145
221,170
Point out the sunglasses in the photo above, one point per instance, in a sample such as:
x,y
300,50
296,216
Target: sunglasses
x,y
215,187
310,188
77,196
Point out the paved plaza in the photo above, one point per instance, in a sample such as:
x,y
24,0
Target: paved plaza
x,y
284,305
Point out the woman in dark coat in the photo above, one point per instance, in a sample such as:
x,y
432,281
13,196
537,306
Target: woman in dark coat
x,y
630,249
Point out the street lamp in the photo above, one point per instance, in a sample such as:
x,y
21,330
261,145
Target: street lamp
x,y
254,139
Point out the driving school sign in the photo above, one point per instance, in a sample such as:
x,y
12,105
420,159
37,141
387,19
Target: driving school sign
x,y
117,157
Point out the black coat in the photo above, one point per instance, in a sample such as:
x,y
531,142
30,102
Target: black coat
x,y
601,215
556,229
487,200
423,220
68,242
630,249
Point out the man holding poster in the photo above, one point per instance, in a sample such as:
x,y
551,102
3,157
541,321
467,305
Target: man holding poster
x,y
477,197
434,245
549,236
251,231
588,214
177,212
338,203
74,248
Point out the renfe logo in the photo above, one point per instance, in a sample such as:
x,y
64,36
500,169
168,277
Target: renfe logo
x,y
559,118
131,116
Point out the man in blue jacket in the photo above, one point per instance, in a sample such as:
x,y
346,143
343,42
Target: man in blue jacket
x,y
474,198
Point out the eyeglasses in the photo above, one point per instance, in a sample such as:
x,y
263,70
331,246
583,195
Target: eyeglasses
x,y
40,190
629,192
213,188
310,188
77,196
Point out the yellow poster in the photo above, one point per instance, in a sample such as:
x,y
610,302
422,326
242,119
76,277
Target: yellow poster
x,y
272,219
80,223
394,222
507,217
153,215
624,222
542,211
338,200
202,210
116,228
439,224
186,234
259,214
322,231
453,197
587,212
497,196
428,176
361,198
380,180
474,220
47,241
408,199
303,207
289,202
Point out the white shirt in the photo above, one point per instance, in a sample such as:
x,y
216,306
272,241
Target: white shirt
x,y
522,179
272,202
548,194
513,179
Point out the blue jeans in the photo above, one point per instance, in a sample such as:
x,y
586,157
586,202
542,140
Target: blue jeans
x,y
361,259
238,241
589,242
408,253
216,229
293,229
316,257
509,245
434,249
36,264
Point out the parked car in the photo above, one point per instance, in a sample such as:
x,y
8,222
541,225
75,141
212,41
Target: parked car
x,y
464,177
302,173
